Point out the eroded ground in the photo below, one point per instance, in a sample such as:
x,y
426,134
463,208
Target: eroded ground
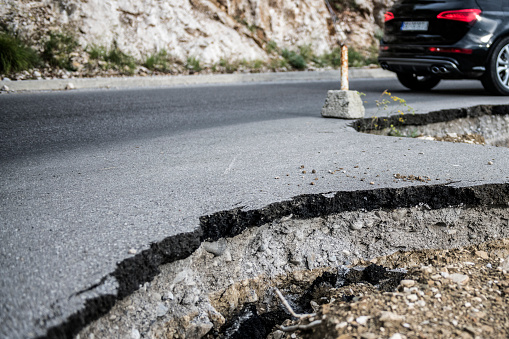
x,y
226,289
460,293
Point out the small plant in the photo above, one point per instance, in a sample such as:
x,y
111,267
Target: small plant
x,y
229,67
394,132
193,64
395,109
242,21
97,52
15,55
116,57
358,59
257,64
271,47
158,61
332,59
385,103
113,58
58,48
295,60
414,134
277,63
306,52
343,5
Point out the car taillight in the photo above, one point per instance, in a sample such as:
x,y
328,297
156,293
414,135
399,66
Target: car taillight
x,y
464,15
388,16
450,50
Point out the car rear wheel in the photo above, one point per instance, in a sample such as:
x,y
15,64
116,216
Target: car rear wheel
x,y
418,83
496,77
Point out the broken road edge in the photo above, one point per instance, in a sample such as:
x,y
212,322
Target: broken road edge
x,y
144,266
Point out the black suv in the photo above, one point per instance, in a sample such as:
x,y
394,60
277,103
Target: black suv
x,y
429,40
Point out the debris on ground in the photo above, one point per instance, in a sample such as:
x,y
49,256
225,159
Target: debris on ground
x,y
471,138
459,293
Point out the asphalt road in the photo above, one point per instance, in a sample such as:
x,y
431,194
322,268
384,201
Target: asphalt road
x,y
87,176
46,123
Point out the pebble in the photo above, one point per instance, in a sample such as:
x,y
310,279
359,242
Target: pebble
x,y
132,251
168,296
135,334
407,283
362,320
387,316
37,74
412,297
161,309
482,255
217,248
70,86
356,225
458,278
490,162
342,325
396,336
156,296
5,88
421,303
227,256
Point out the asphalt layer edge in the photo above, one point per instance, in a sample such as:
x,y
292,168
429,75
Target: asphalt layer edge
x,y
379,123
144,266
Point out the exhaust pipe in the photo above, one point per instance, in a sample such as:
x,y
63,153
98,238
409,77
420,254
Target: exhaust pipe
x,y
439,69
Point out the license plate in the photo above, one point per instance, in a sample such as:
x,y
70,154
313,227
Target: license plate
x,y
415,26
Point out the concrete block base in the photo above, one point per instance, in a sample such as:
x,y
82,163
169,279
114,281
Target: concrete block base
x,y
343,105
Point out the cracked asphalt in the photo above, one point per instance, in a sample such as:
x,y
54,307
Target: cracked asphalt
x,y
91,178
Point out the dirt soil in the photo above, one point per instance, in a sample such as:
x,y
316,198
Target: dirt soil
x,y
460,293
476,139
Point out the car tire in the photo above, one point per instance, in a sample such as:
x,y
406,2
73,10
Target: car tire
x,y
418,83
496,78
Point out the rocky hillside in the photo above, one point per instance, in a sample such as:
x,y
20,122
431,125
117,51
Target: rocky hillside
x,y
208,31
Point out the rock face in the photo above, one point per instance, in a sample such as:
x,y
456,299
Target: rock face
x,y
205,29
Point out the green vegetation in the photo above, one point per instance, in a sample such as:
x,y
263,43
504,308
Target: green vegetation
x,y
358,59
344,5
242,21
294,59
15,55
228,66
271,47
97,52
193,64
113,58
394,109
159,61
57,50
332,59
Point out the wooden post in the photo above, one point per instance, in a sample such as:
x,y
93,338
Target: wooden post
x,y
344,68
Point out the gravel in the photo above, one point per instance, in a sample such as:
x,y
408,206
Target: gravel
x,y
459,293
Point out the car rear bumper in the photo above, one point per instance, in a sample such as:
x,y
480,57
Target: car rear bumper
x,y
418,60
421,66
